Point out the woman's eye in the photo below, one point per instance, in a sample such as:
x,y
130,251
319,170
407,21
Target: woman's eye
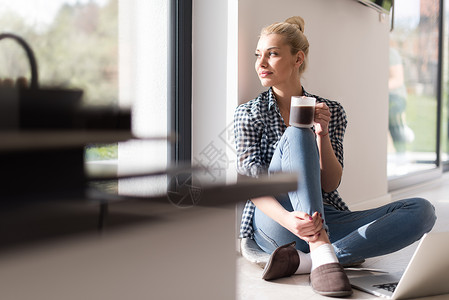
x,y
256,54
273,53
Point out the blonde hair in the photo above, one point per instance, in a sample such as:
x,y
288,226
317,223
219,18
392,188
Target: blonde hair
x,y
292,30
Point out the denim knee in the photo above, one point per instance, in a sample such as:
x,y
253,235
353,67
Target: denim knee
x,y
295,132
423,213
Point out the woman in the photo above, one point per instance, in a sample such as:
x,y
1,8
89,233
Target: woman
x,y
310,230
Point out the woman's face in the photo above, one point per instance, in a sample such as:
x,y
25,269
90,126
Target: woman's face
x,y
275,65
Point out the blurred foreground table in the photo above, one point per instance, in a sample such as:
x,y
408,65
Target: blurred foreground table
x,y
148,248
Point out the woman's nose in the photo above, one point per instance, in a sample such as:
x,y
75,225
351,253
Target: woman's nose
x,y
262,61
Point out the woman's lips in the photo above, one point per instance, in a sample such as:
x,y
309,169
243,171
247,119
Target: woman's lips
x,y
265,74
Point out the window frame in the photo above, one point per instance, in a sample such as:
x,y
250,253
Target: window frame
x,y
180,81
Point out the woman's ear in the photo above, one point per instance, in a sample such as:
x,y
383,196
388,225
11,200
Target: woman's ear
x,y
300,58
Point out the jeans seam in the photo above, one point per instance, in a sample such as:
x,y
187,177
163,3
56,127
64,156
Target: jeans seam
x,y
267,238
295,192
359,217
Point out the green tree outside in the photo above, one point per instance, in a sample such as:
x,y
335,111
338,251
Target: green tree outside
x,y
78,49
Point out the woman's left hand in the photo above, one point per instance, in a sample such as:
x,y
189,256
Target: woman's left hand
x,y
322,118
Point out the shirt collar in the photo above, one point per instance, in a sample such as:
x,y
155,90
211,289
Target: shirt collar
x,y
305,93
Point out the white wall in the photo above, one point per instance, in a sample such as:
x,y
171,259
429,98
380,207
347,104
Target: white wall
x,y
348,63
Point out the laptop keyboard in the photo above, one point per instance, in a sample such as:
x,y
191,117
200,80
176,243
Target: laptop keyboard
x,y
387,286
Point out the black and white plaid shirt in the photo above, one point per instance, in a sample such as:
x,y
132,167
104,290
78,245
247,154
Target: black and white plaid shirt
x,y
258,127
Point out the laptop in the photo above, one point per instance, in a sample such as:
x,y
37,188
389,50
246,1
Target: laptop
x,y
427,273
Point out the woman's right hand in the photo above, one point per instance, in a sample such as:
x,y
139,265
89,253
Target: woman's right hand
x,y
303,225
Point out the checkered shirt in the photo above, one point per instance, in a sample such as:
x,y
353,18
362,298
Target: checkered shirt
x,y
258,127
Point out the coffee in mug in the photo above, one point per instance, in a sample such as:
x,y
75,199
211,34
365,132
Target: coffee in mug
x,y
302,111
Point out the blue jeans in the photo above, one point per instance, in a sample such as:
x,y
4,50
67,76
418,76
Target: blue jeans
x,y
355,235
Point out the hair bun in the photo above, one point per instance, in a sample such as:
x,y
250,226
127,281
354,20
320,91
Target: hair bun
x,y
296,20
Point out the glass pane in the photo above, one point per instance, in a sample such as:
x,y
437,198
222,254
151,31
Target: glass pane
x,y
445,89
75,43
116,52
413,88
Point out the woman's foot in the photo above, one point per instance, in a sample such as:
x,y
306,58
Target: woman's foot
x,y
330,280
328,277
283,262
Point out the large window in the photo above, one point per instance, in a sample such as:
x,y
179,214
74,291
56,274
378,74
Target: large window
x,y
76,46
117,52
75,43
445,90
414,88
